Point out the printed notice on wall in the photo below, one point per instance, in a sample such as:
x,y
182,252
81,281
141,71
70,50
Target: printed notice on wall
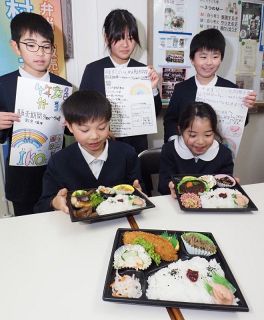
x,y
40,131
231,112
173,48
247,61
222,15
130,93
174,15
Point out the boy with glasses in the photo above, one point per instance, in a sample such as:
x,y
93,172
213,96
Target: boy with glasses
x,y
33,40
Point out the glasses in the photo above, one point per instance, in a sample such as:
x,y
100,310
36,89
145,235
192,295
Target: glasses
x,y
34,47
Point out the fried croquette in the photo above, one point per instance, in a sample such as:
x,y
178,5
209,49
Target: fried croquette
x,y
162,246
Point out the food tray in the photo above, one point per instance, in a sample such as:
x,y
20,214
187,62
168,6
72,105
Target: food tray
x,y
142,275
110,216
251,206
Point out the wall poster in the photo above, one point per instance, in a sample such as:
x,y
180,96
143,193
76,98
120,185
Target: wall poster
x,y
222,15
49,9
250,21
171,76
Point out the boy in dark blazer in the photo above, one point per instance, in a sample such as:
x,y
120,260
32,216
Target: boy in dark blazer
x,y
93,160
33,40
207,51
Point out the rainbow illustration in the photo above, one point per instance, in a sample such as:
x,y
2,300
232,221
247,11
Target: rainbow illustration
x,y
139,89
23,136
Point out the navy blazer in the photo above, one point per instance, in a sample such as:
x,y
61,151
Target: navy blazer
x,y
121,166
172,164
23,184
185,93
93,79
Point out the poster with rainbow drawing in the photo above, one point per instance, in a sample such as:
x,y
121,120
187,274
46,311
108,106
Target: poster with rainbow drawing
x,y
130,93
40,131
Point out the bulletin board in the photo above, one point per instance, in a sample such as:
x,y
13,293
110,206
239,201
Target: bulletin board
x,y
175,22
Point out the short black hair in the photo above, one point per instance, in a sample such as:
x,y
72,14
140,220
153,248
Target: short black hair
x,y
210,39
115,25
201,110
86,105
32,22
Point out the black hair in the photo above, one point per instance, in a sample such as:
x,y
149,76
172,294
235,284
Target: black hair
x,y
201,110
86,105
115,25
32,22
210,39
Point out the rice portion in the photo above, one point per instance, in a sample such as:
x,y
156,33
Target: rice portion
x,y
118,203
172,284
219,198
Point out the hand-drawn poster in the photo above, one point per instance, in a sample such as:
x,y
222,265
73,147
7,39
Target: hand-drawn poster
x,y
222,15
39,133
130,93
231,112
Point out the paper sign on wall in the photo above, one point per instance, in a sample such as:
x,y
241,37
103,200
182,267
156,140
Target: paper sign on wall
x,y
40,131
231,112
130,93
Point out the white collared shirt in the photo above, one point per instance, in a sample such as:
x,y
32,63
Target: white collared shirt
x,y
95,164
212,83
117,65
185,153
23,73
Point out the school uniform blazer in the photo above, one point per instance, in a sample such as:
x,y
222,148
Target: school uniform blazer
x,y
23,184
68,169
172,164
185,93
93,79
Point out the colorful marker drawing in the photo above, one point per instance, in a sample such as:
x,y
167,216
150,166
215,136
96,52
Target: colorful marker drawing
x,y
31,136
234,131
139,89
